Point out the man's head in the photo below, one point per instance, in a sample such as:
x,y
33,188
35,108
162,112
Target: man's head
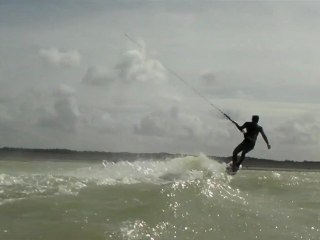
x,y
255,118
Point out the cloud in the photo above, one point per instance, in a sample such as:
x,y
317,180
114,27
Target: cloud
x,y
65,112
303,131
97,76
134,66
64,90
247,71
58,57
101,121
208,78
150,126
172,123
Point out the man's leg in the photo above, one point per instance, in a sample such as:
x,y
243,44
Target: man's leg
x,y
242,157
246,148
238,149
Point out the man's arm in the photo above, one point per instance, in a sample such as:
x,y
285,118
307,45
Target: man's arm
x,y
265,138
234,122
238,126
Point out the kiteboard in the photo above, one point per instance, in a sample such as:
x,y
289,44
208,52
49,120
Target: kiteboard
x,y
229,169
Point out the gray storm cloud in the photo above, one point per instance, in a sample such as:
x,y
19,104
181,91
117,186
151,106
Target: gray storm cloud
x,y
208,78
174,123
97,76
302,130
64,114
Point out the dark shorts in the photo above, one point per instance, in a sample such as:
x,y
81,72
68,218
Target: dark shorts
x,y
245,147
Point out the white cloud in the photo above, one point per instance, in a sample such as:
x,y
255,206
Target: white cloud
x,y
58,57
134,67
137,65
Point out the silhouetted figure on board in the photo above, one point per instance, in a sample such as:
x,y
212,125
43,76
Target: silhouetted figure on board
x,y
252,130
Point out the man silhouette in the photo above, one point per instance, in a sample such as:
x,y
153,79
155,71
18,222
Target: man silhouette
x,y
250,136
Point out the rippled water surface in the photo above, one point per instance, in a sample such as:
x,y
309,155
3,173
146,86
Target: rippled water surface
x,y
181,198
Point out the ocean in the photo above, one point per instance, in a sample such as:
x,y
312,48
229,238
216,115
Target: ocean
x,y
178,198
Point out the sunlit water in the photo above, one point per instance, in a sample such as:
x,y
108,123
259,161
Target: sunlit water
x,y
181,198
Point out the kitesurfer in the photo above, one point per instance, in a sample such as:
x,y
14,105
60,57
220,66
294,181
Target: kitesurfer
x,y
252,130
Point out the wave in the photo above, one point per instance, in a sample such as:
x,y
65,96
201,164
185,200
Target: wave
x,y
63,180
203,174
179,198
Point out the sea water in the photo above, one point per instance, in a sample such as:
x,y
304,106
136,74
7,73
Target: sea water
x,y
181,198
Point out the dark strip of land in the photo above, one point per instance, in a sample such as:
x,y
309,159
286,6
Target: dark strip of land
x,y
22,154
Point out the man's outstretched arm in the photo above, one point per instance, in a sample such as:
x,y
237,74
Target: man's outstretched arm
x,y
238,126
265,138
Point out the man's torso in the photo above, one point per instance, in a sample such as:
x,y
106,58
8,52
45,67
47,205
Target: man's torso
x,y
252,131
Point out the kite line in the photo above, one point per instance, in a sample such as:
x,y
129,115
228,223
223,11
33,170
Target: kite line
x,y
187,84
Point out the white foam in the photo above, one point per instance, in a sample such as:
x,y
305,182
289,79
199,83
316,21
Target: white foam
x,y
17,187
150,171
70,182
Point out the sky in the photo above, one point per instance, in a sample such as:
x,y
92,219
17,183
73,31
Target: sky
x,y
126,75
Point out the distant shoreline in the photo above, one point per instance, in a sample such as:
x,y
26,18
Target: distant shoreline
x,y
25,154
283,169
